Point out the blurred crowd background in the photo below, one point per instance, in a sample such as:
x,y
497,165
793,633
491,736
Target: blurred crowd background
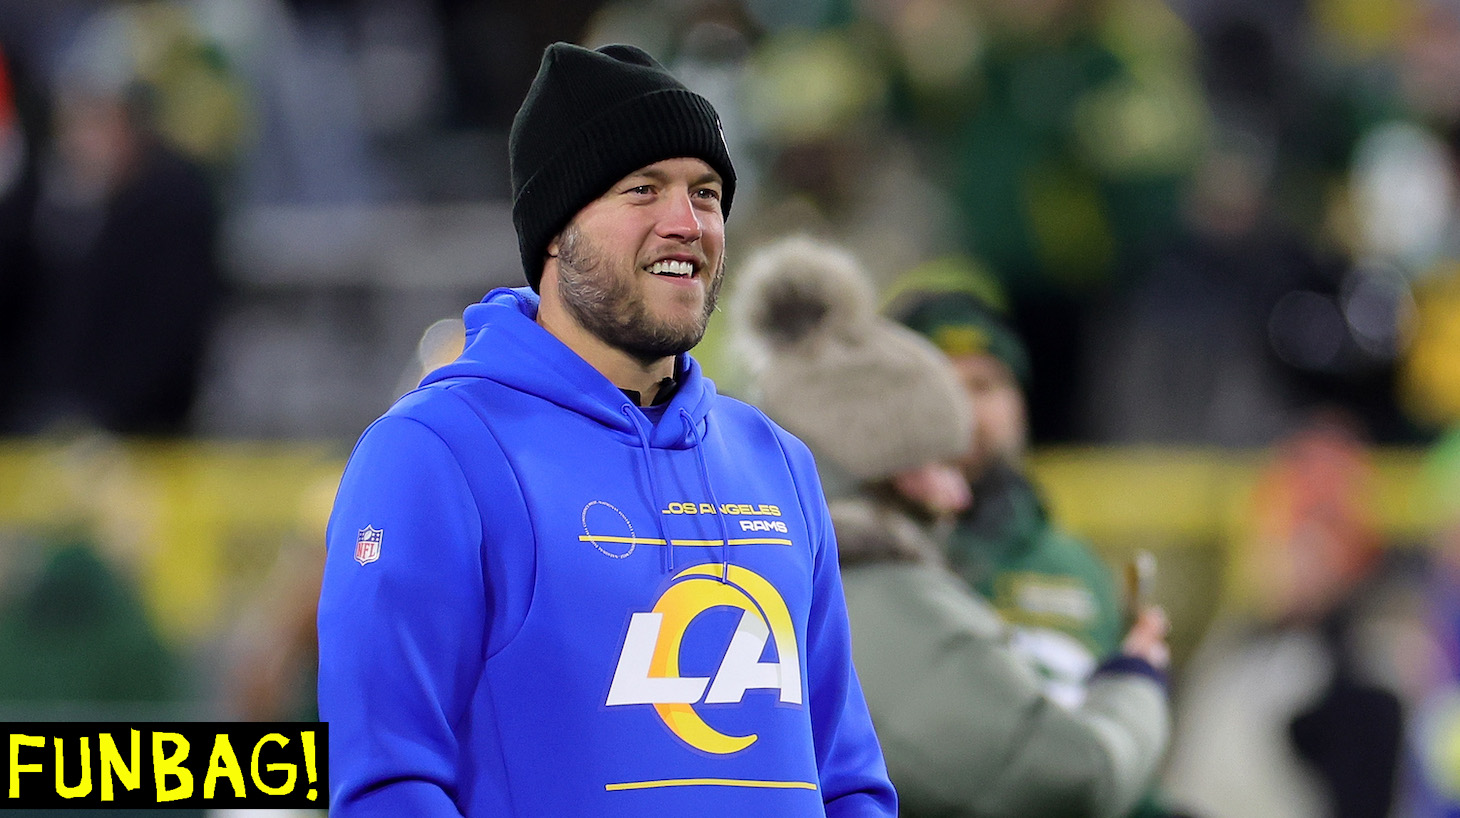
x,y
232,231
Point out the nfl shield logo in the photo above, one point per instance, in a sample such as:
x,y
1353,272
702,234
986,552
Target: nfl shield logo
x,y
367,546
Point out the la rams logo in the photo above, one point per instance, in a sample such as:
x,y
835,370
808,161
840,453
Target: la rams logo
x,y
648,665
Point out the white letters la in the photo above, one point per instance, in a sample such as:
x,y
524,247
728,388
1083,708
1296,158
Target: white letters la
x,y
632,683
742,669
647,672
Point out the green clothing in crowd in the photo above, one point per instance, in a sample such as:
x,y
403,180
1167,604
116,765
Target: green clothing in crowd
x,y
1058,597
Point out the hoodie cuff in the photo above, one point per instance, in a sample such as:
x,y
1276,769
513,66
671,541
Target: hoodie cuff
x,y
1125,663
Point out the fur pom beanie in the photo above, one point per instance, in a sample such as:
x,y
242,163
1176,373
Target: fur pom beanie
x,y
865,393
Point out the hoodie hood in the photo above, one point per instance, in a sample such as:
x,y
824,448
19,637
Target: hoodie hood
x,y
505,344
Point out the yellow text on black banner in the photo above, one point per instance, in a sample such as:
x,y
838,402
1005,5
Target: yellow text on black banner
x,y
167,764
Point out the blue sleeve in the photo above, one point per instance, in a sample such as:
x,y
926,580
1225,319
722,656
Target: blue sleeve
x,y
401,636
854,778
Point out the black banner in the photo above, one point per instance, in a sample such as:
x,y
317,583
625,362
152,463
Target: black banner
x,y
164,764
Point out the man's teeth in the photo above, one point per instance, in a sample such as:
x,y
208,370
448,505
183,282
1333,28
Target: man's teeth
x,y
679,269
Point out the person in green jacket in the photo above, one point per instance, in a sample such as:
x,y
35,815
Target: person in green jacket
x,y
967,726
1058,596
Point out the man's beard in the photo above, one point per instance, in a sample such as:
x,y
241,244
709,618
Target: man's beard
x,y
610,307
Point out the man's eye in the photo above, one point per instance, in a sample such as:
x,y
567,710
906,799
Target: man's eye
x,y
708,193
642,190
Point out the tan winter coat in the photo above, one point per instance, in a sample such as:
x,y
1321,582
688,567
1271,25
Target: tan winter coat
x,y
964,725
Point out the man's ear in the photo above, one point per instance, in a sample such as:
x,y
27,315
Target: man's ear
x,y
552,249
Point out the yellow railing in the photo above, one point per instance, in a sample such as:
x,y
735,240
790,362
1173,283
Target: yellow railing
x,y
201,521
197,521
1181,496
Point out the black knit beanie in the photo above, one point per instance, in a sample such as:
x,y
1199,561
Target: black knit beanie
x,y
590,119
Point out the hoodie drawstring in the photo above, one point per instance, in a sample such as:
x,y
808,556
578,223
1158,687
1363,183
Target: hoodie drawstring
x,y
658,504
695,441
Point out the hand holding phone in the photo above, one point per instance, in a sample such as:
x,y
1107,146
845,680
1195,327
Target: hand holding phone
x,y
1146,622
1140,576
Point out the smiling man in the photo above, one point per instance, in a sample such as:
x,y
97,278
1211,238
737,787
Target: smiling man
x,y
641,292
564,576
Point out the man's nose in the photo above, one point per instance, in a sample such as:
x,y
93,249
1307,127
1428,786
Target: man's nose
x,y
680,219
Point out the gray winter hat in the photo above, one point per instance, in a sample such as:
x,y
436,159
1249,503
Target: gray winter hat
x,y
864,392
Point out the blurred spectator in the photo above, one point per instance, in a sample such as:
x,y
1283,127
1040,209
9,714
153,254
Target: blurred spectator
x,y
76,644
1324,193
1430,368
1052,589
1286,708
1063,143
73,633
963,719
123,236
833,163
1235,328
1343,106
272,653
1272,75
17,193
307,141
1054,592
1049,140
1403,200
1432,783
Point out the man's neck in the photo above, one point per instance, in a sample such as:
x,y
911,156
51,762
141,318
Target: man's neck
x,y
623,370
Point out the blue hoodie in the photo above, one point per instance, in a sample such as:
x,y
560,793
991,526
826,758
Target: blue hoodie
x,y
538,602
